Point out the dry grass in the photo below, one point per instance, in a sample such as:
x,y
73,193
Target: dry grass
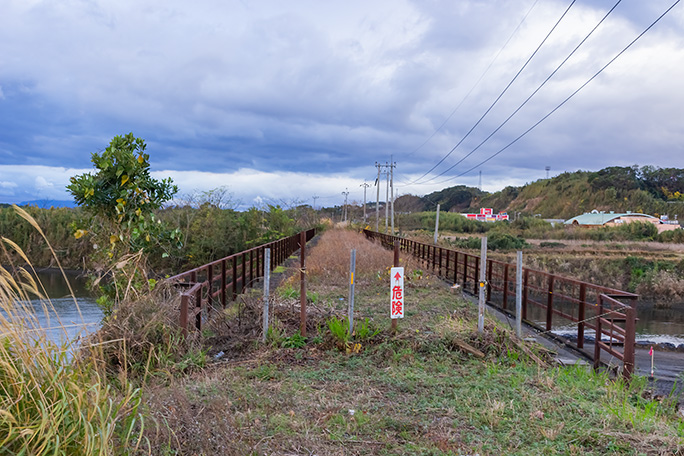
x,y
405,393
329,259
48,403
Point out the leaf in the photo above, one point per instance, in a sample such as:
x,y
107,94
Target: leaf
x,y
165,255
80,233
141,159
113,239
124,179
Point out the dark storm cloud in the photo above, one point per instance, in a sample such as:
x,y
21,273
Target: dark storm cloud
x,y
288,92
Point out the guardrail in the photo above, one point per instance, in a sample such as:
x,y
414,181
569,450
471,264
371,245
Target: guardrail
x,y
549,301
221,281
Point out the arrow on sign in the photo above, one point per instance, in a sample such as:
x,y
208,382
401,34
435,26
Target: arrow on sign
x,y
397,276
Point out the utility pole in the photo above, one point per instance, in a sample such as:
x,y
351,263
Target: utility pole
x,y
365,186
377,200
345,193
387,175
392,166
315,197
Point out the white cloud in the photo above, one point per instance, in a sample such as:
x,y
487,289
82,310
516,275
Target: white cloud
x,y
28,183
348,82
42,183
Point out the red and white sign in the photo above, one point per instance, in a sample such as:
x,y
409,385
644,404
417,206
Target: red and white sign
x,y
397,293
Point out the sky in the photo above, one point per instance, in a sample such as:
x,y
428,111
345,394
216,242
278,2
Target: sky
x,y
280,102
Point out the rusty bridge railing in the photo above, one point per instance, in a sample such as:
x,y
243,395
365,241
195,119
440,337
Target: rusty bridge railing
x,y
549,301
218,283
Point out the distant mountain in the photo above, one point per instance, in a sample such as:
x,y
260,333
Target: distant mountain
x,y
655,191
47,204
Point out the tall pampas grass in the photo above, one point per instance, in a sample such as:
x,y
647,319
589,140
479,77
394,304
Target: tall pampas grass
x,y
52,402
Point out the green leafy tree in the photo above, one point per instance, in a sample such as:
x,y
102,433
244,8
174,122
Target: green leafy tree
x,y
121,197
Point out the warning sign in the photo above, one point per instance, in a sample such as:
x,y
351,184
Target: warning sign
x,y
397,293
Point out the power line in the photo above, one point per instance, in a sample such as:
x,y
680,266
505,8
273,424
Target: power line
x,y
496,57
568,98
500,95
529,97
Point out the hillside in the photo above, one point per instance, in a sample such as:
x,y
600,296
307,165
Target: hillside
x,y
647,189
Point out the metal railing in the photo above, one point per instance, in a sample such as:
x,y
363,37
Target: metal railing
x,y
217,283
549,301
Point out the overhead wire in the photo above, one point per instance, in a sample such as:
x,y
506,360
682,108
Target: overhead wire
x,y
484,73
503,92
529,97
569,97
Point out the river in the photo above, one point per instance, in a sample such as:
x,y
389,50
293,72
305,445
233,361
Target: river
x,y
64,320
655,324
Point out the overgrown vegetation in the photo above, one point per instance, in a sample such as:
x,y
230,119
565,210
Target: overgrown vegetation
x,y
50,403
415,392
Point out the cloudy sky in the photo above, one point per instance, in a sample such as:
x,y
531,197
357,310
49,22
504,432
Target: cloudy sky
x,y
281,101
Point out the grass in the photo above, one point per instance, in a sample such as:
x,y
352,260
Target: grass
x,y
416,391
52,400
413,392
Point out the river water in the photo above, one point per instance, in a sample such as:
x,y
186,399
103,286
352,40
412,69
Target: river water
x,y
64,320
657,324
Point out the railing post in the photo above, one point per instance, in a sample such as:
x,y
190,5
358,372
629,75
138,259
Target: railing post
x,y
198,308
630,335
210,292
440,262
465,270
549,304
597,336
243,280
455,268
505,287
525,290
223,283
446,272
234,286
581,315
184,313
477,275
490,266
251,267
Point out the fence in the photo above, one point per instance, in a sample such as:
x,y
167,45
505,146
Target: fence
x,y
549,301
220,282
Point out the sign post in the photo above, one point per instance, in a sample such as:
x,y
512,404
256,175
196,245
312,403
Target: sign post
x,y
396,294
